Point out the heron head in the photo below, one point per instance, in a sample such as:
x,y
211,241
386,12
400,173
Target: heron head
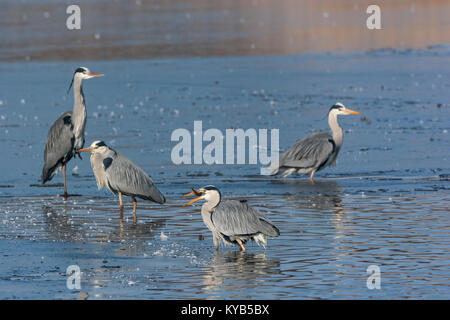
x,y
207,193
96,146
83,73
339,109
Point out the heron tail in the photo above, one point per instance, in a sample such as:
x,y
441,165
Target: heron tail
x,y
268,228
49,173
155,196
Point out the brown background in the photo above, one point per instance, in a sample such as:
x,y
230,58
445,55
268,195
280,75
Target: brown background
x,y
140,29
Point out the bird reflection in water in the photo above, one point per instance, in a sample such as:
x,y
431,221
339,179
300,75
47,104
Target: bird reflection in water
x,y
60,224
324,214
323,196
231,270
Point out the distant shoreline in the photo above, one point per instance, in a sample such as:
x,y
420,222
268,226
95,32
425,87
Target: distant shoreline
x,y
139,30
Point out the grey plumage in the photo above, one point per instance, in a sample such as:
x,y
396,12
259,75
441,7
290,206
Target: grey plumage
x,y
59,146
311,152
118,174
315,152
231,221
66,135
233,218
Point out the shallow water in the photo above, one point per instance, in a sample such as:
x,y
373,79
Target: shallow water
x,y
386,203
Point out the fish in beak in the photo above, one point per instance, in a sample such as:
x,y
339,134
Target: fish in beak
x,y
199,195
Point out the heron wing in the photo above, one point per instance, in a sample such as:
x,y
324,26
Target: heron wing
x,y
235,218
126,177
59,146
312,151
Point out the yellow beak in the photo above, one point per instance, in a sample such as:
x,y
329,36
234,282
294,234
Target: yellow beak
x,y
85,150
194,192
188,194
95,74
351,111
192,201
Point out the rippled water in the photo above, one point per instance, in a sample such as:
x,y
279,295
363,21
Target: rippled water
x,y
386,203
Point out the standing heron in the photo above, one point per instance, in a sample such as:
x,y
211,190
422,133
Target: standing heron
x,y
121,176
319,150
66,135
232,221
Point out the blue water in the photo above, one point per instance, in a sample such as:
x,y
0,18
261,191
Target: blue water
x,y
386,203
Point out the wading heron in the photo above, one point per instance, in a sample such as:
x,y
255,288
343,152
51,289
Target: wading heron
x,y
121,176
66,135
231,221
319,150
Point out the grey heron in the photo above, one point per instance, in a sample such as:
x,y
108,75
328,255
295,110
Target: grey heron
x,y
231,221
319,150
121,176
66,135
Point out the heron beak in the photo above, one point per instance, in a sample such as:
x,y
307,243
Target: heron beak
x,y
351,111
192,201
188,194
84,150
91,74
194,192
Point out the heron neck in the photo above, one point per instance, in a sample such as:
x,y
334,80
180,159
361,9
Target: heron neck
x,y
79,107
207,210
211,204
335,129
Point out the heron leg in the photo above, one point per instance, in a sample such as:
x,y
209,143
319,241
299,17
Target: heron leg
x,y
121,211
121,218
134,210
120,201
216,242
65,195
240,244
311,177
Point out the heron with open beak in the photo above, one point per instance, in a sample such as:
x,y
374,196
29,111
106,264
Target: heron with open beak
x,y
231,221
121,176
319,150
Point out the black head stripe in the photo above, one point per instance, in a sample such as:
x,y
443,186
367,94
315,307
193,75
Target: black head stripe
x,y
336,106
80,70
101,144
